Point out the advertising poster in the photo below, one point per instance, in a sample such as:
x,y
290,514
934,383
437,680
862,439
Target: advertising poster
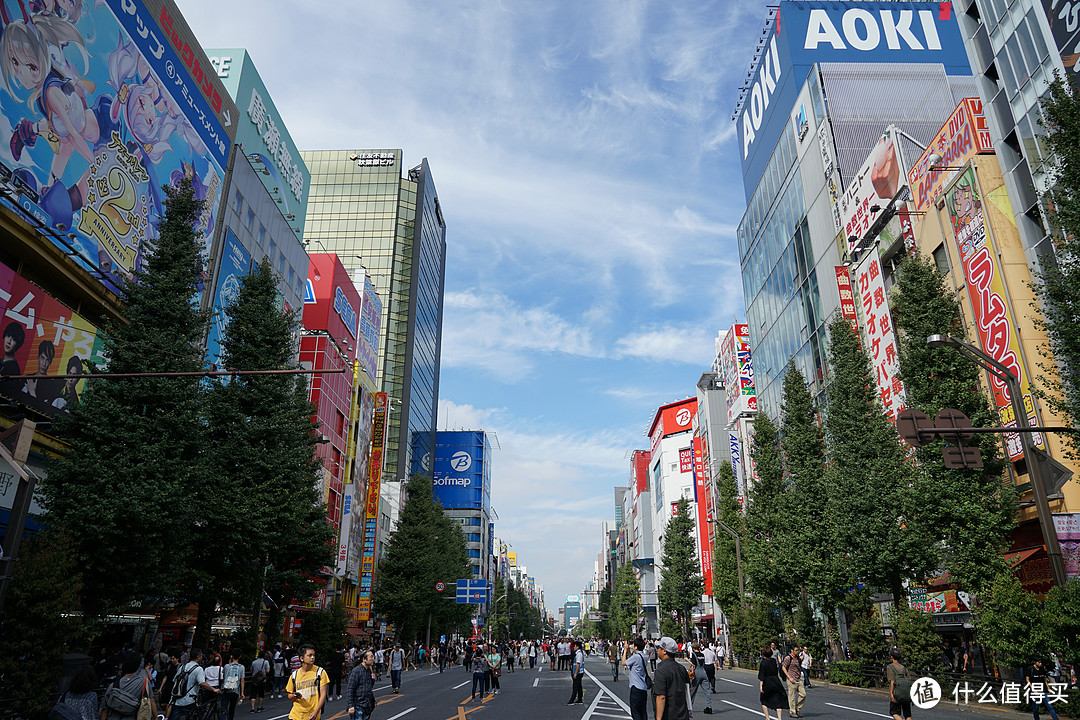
x,y
847,296
235,263
1064,18
459,473
1068,532
686,463
993,316
729,372
878,335
737,370
880,179
702,496
42,337
102,104
961,138
371,508
370,329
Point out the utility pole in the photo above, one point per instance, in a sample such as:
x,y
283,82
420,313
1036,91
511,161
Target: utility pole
x,y
15,445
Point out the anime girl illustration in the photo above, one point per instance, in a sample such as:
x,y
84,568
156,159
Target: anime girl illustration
x,y
29,49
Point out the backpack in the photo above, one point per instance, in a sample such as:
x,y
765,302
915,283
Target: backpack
x,y
260,676
122,701
179,687
902,686
318,678
232,680
645,669
63,711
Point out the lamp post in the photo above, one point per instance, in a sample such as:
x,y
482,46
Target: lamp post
x,y
1016,398
495,612
738,557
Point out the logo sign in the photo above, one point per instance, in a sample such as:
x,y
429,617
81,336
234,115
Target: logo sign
x,y
309,293
683,417
686,462
440,586
962,137
925,693
461,461
345,310
847,297
573,598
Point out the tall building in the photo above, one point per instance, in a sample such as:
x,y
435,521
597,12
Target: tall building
x,y
362,207
830,78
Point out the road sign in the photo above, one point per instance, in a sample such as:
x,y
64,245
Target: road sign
x,y
440,586
472,591
909,422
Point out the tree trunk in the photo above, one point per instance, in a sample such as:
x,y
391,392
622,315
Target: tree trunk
x,y
205,618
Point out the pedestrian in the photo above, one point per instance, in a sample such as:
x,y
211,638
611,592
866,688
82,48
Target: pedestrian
x,y
510,657
380,663
613,658
577,674
1036,678
709,656
532,654
796,693
125,694
807,661
279,672
335,668
670,683
232,685
82,695
479,667
360,689
770,688
260,675
495,664
397,663
639,679
468,658
166,677
650,651
721,653
190,679
306,686
900,688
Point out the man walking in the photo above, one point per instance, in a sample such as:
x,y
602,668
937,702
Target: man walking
x,y
796,693
899,688
639,686
577,673
670,683
613,658
306,686
360,688
709,655
807,661
397,662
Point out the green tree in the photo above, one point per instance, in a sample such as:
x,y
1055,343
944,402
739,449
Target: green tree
x,y
325,629
126,488
681,583
260,506
809,630
1009,620
768,543
426,547
865,637
874,526
916,637
1062,616
499,618
1057,282
625,595
38,627
725,562
967,511
752,628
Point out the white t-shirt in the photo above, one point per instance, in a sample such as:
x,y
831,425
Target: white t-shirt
x,y
806,659
214,674
710,656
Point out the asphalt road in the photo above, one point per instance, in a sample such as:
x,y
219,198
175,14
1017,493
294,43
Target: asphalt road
x,y
540,693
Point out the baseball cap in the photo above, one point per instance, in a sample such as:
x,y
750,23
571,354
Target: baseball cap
x,y
668,645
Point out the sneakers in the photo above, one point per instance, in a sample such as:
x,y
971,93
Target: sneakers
x,y
707,711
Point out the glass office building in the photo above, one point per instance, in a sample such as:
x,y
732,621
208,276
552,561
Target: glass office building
x,y
362,207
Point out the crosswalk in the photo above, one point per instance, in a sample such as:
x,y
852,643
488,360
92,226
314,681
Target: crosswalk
x,y
606,704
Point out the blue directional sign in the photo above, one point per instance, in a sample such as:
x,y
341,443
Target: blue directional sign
x,y
472,592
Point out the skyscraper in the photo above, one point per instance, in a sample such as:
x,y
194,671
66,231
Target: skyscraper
x,y
362,207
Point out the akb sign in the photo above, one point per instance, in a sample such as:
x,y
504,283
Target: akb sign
x,y
805,33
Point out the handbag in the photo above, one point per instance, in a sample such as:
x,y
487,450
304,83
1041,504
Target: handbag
x,y
146,706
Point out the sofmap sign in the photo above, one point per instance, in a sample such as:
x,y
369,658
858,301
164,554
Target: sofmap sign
x,y
804,33
458,470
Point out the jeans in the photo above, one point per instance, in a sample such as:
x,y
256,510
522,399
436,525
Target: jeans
x,y
477,684
806,677
395,678
228,705
615,671
701,680
1046,703
279,684
183,712
638,703
578,693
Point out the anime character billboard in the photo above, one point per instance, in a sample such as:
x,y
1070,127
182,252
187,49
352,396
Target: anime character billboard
x,y
100,111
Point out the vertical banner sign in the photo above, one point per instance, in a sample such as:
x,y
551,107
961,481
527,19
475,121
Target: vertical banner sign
x,y
736,462
685,460
371,508
878,335
346,527
702,496
847,297
998,333
1067,526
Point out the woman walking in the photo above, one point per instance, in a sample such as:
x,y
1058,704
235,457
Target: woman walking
x,y
772,690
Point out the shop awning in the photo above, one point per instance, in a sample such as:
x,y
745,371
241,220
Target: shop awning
x,y
1016,558
357,632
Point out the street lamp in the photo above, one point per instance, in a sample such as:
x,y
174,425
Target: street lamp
x,y
738,556
494,612
1016,398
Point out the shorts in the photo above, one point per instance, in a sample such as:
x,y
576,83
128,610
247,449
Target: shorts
x,y
256,689
903,709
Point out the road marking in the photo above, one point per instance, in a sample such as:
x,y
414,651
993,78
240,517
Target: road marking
x,y
536,682
736,682
610,694
742,707
461,685
390,699
401,714
867,712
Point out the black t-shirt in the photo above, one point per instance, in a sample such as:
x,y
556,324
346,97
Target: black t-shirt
x,y
670,680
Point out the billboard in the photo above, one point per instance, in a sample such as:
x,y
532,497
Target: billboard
x,y
333,302
703,501
878,335
1067,526
1064,19
367,350
804,33
737,371
42,337
992,313
640,472
461,471
371,508
671,419
104,103
880,179
847,296
235,263
963,136
262,132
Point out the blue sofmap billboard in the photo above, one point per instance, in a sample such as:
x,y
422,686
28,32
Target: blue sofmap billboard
x,y
235,263
460,468
804,33
102,103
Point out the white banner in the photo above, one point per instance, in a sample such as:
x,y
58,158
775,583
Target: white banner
x,y
877,333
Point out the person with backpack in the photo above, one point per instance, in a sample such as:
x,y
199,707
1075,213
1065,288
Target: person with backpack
x,y
190,679
397,663
279,672
80,702
796,693
899,688
639,679
260,674
125,694
232,685
306,687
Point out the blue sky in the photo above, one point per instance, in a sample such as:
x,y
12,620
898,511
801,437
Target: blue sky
x,y
587,168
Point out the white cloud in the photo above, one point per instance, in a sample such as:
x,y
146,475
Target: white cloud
x,y
689,344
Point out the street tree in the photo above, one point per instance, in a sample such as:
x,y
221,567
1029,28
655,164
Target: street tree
x,y
967,511
874,526
1010,620
261,509
625,594
681,583
917,637
126,488
725,562
769,543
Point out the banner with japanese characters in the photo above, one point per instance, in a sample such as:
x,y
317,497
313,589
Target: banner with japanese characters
x,y
102,104
993,316
847,296
43,337
371,507
877,334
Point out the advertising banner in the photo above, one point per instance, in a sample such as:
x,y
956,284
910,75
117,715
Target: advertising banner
x,y
878,335
736,461
371,507
737,370
879,180
1064,18
367,351
729,373
993,316
345,530
702,498
334,305
804,33
640,460
102,110
961,138
458,469
847,296
235,263
686,462
1067,526
42,337
262,132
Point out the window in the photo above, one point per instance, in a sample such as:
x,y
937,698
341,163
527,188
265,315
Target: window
x,y
251,220
474,553
472,537
238,202
281,263
292,275
941,259
262,235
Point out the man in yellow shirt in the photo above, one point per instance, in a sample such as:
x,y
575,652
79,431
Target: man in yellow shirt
x,y
306,687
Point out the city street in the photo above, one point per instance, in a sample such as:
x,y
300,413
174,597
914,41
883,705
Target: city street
x,y
540,693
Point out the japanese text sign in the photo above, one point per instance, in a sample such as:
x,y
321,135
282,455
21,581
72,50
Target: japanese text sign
x,y
878,335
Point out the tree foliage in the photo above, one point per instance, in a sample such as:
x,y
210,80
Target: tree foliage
x,y
625,602
1010,621
768,564
725,562
681,583
325,629
916,637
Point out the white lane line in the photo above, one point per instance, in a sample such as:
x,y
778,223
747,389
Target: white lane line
x,y
612,695
402,714
867,712
461,685
735,682
592,706
743,707
536,682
